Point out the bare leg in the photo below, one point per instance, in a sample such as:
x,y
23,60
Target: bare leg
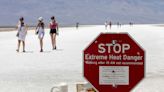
x,y
41,45
18,45
54,41
23,46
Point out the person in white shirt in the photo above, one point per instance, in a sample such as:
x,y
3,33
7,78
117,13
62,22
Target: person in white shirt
x,y
40,32
21,34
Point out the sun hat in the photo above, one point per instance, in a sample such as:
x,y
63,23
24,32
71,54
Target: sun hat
x,y
40,18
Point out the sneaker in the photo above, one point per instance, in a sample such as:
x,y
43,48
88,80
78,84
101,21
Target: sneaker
x,y
24,51
54,48
17,50
41,50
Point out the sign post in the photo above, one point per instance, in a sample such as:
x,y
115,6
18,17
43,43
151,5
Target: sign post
x,y
114,63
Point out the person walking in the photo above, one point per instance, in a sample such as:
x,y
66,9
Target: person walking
x,y
106,25
110,24
77,25
40,32
53,32
21,34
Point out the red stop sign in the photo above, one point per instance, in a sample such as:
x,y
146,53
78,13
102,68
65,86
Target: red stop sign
x,y
114,63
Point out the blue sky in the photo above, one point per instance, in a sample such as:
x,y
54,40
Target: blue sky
x,y
68,12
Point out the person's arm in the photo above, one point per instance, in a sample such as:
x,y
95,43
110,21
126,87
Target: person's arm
x,y
17,26
26,28
57,27
36,29
50,25
37,26
43,26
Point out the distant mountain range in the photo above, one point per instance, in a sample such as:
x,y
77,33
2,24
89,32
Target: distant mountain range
x,y
68,12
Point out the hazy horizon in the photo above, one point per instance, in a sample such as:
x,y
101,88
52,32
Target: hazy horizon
x,y
68,12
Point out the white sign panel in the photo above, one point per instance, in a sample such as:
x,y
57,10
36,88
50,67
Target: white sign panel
x,y
113,75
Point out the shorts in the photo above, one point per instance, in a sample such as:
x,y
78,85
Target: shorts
x,y
52,31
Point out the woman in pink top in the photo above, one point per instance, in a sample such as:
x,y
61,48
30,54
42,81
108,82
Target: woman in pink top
x,y
53,32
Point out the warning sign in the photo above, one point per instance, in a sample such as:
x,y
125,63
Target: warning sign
x,y
114,62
